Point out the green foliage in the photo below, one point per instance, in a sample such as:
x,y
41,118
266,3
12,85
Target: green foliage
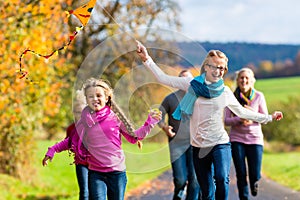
x,y
282,94
288,129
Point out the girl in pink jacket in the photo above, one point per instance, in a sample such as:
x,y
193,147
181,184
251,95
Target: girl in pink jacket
x,y
100,129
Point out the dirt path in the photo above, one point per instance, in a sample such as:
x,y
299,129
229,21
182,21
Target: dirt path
x,y
162,189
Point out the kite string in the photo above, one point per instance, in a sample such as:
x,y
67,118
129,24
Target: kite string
x,y
118,24
133,61
83,18
24,74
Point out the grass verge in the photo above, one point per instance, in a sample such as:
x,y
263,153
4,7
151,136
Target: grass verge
x,y
283,168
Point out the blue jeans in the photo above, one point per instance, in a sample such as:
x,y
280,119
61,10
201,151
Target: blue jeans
x,y
110,184
213,171
253,154
183,171
82,179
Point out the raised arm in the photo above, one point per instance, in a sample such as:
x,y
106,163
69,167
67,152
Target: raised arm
x,y
172,81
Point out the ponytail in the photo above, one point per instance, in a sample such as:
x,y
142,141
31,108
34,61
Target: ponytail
x,y
122,117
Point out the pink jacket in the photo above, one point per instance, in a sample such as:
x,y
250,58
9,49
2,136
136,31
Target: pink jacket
x,y
101,134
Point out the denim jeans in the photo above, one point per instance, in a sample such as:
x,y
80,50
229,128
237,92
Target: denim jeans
x,y
183,171
110,184
253,154
213,171
82,179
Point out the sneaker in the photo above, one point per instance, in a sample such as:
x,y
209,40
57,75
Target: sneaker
x,y
254,190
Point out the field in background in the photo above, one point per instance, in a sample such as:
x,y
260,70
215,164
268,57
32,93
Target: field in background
x,y
278,89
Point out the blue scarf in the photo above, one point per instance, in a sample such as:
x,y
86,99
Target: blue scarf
x,y
198,88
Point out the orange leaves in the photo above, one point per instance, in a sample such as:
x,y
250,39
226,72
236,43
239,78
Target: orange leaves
x,y
24,106
37,26
52,100
4,84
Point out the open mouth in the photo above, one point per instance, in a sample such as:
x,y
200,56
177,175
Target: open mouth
x,y
96,105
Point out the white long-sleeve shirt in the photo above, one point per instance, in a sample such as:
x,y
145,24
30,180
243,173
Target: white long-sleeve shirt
x,y
206,123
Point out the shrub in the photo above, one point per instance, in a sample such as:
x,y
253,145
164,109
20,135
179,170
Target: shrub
x,y
288,129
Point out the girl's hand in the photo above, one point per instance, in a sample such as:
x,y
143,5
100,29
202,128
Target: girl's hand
x,y
141,51
156,114
277,115
45,160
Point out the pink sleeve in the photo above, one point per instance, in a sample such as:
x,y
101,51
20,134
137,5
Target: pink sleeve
x,y
142,132
230,119
129,137
58,147
262,105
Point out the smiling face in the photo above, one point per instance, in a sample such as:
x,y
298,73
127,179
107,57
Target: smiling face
x,y
96,98
215,68
214,65
245,80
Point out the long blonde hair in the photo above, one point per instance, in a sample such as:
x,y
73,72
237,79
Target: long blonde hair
x,y
108,91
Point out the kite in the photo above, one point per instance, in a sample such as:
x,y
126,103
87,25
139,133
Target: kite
x,y
83,14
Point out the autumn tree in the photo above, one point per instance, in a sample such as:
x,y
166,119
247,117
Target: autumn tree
x,y
30,102
39,103
266,66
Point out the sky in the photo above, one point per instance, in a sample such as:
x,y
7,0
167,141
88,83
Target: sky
x,y
258,21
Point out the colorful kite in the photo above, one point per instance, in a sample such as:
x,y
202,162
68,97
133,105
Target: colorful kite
x,y
83,13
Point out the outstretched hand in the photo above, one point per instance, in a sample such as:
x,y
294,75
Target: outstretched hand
x,y
45,160
277,115
156,114
141,51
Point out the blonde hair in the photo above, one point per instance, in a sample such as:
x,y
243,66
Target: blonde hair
x,y
214,53
108,91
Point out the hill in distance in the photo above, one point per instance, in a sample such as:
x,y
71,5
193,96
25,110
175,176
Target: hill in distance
x,y
240,54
